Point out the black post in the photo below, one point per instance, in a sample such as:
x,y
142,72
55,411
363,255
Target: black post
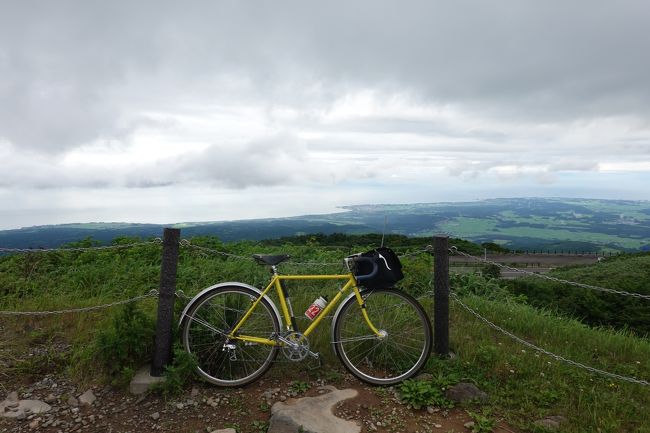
x,y
441,295
163,349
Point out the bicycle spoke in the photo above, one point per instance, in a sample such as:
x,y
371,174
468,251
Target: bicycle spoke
x,y
399,353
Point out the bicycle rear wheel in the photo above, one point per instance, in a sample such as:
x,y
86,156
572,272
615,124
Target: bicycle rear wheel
x,y
399,353
204,330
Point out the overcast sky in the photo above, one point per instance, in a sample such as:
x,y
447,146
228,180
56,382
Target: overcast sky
x,y
154,111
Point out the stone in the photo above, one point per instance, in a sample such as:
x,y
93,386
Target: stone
x,y
194,392
268,394
12,397
551,422
155,416
312,414
23,408
72,401
469,424
424,377
465,392
143,380
34,424
225,430
87,398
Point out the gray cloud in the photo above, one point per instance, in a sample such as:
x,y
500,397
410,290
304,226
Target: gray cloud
x,y
74,72
152,96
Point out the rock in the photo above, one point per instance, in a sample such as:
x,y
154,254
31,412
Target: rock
x,y
73,401
51,398
155,416
469,424
224,430
194,392
268,394
87,398
12,397
464,392
34,424
424,377
312,414
22,408
143,380
551,422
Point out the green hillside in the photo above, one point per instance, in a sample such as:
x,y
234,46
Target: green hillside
x,y
523,385
629,273
553,224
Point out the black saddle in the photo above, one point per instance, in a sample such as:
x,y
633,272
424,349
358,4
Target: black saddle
x,y
270,260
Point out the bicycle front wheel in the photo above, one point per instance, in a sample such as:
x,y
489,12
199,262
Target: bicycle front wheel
x,y
403,346
206,325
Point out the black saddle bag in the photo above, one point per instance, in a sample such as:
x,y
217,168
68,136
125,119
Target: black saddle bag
x,y
389,268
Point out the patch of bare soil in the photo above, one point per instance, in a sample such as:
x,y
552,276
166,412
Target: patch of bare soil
x,y
205,408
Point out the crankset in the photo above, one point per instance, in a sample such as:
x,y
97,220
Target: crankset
x,y
296,346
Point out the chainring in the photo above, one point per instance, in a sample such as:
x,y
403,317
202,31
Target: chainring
x,y
295,347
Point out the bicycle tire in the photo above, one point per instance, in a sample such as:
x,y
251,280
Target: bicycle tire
x,y
400,354
211,317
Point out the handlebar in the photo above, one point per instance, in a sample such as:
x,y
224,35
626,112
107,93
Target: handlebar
x,y
375,268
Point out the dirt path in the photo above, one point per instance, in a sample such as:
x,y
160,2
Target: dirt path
x,y
204,408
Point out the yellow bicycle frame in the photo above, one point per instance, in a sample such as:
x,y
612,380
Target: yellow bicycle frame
x,y
276,282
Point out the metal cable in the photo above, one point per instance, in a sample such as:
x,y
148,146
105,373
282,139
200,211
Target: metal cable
x,y
550,278
150,294
546,352
104,247
187,243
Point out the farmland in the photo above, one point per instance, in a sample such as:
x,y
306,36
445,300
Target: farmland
x,y
550,224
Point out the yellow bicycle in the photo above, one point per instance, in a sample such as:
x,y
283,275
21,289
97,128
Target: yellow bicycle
x,y
381,334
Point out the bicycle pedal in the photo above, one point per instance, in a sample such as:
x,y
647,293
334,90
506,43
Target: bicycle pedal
x,y
319,362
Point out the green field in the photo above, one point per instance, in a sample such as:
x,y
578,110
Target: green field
x,y
516,223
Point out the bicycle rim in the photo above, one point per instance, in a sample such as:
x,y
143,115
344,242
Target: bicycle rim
x,y
229,362
394,357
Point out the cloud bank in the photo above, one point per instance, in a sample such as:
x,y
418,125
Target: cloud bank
x,y
262,98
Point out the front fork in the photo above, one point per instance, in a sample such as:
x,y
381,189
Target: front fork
x,y
362,304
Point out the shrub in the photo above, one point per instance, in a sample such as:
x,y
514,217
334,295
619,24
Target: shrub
x,y
178,374
125,344
418,394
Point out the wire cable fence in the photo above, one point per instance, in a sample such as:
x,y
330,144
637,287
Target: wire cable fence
x,y
455,250
151,294
155,241
188,244
544,351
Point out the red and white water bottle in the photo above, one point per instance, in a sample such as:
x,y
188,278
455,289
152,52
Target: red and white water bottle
x,y
316,307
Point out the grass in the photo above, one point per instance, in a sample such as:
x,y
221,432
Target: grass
x,y
523,386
